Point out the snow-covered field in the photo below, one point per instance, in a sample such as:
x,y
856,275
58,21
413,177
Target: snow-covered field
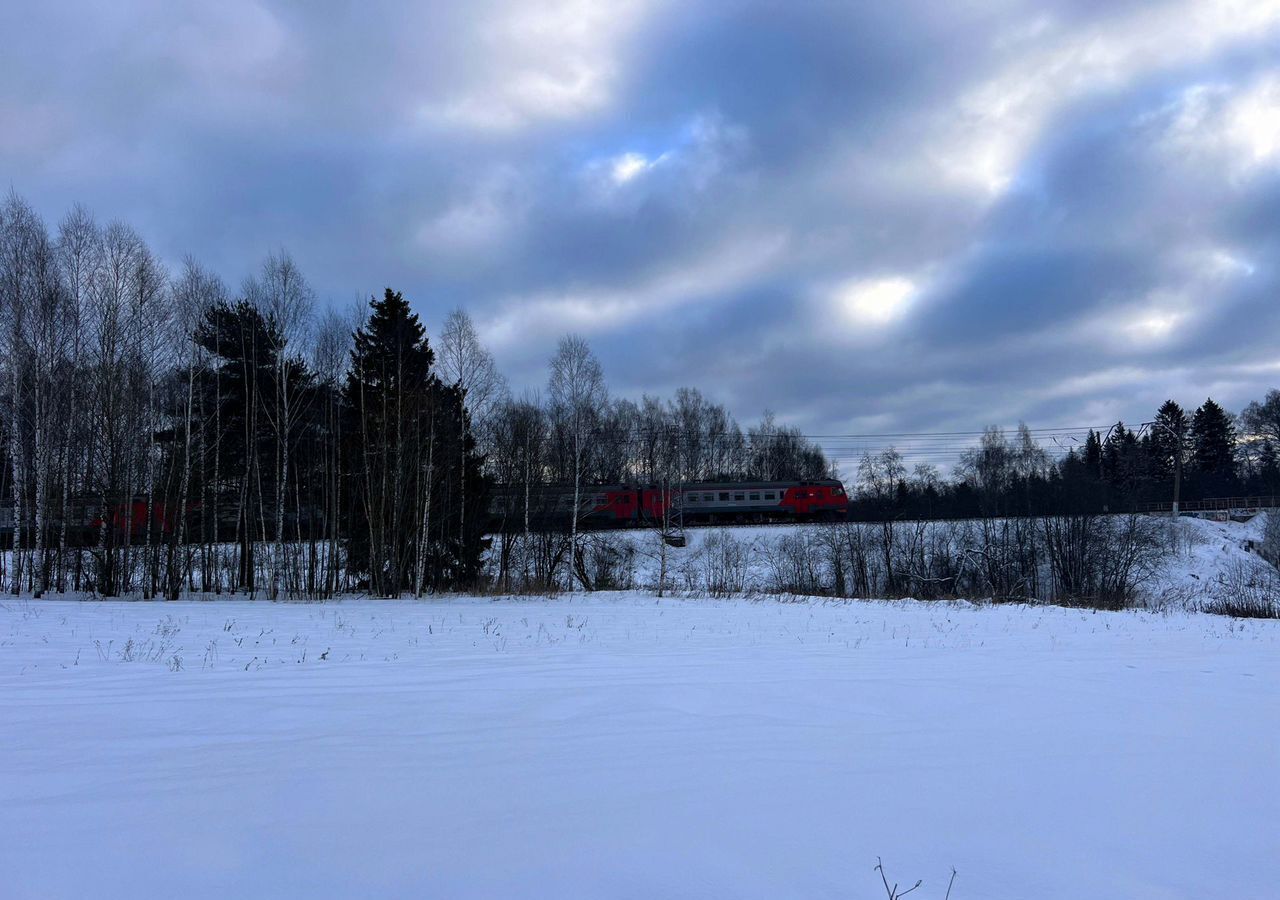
x,y
625,747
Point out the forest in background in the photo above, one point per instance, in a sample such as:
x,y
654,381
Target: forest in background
x,y
1207,453
163,433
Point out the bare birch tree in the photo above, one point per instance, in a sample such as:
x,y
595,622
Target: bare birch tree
x,y
285,299
115,406
577,393
20,241
465,363
330,353
194,293
79,255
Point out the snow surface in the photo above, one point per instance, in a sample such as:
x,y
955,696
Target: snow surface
x,y
1203,555
622,746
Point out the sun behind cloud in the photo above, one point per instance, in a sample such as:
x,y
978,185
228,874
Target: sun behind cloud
x,y
876,301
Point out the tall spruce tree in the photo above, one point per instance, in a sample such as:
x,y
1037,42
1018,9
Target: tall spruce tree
x,y
236,389
1093,455
1165,440
1120,458
238,394
1213,441
409,443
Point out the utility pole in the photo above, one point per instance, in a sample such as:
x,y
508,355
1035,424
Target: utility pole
x,y
1177,477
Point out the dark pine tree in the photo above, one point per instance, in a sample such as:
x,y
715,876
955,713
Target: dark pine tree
x,y
1122,462
1213,442
407,438
1111,453
1093,455
1166,437
238,398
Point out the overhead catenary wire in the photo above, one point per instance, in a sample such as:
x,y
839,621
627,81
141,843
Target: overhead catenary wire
x,y
1069,429
945,447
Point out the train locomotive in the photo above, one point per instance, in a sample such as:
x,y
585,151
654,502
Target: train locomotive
x,y
634,505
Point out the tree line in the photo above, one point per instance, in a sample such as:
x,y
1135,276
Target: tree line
x,y
165,435
162,433
1206,453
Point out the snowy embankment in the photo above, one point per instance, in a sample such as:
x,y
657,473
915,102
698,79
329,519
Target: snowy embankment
x,y
1204,557
1190,562
616,745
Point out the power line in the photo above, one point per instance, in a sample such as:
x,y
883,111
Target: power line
x,y
680,432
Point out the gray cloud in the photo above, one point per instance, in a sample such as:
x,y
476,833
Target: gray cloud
x,y
865,216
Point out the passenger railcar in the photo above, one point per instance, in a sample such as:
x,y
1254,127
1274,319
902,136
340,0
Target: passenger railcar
x,y
623,505
763,501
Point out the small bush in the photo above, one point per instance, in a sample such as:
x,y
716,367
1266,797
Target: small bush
x,y
1247,592
610,561
1099,562
1244,607
794,563
726,560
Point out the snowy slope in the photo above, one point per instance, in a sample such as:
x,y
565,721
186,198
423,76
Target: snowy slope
x,y
624,747
1199,556
1203,556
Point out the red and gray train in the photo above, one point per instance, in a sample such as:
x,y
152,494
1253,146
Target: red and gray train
x,y
630,505
85,521
548,506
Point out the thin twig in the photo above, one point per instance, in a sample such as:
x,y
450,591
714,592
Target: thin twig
x,y
880,869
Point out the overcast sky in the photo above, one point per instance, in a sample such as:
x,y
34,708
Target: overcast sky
x,y
868,217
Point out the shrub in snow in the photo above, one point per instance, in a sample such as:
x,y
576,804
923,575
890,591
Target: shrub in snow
x,y
609,560
1100,561
531,563
796,564
725,561
1247,591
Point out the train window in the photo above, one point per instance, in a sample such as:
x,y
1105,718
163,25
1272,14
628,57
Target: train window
x,y
755,496
724,495
739,497
693,498
707,498
768,495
